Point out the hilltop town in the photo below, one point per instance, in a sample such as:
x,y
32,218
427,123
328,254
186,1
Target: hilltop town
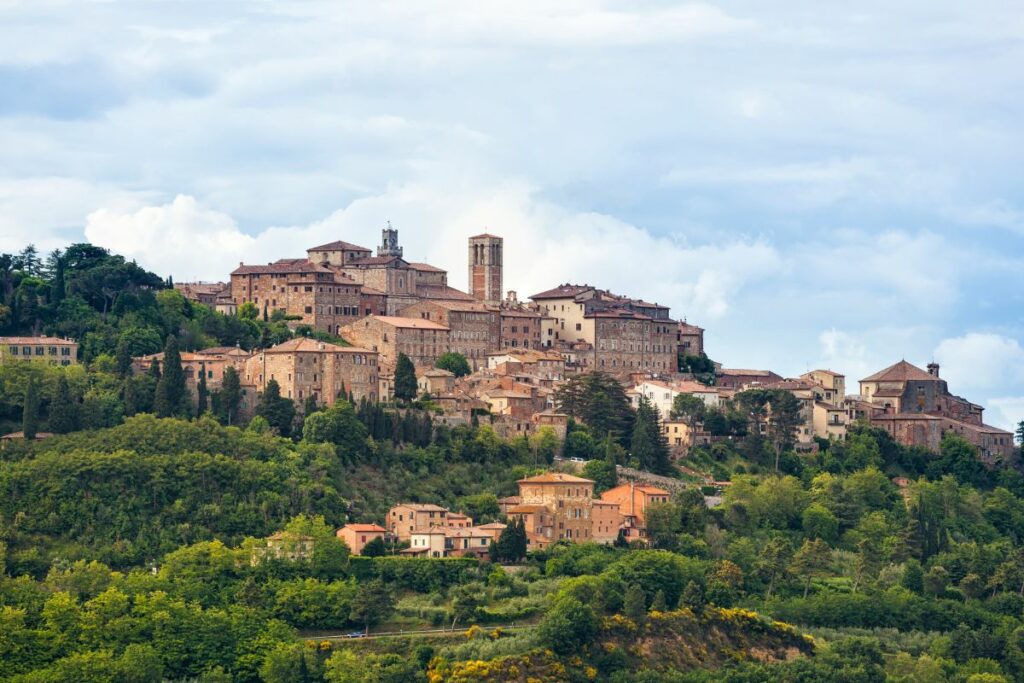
x,y
520,352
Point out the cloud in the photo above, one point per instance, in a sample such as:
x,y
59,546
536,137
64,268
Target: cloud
x,y
981,362
180,237
1006,412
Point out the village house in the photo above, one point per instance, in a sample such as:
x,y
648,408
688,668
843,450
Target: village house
x,y
633,501
662,394
689,339
205,293
208,364
356,536
473,327
729,378
306,367
423,341
435,381
408,518
307,293
622,335
555,506
286,546
50,350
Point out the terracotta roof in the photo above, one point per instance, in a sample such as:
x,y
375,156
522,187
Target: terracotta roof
x,y
339,245
900,372
743,371
437,372
565,291
555,478
365,527
493,525
825,372
643,488
484,234
422,507
307,345
427,268
36,340
687,327
372,291
282,266
442,292
409,323
519,313
375,261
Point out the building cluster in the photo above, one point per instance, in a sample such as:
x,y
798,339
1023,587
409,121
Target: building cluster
x,y
552,507
383,306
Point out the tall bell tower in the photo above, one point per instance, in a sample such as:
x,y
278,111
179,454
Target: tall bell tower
x,y
485,265
389,242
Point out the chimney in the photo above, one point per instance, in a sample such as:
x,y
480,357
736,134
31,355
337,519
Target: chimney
x,y
933,369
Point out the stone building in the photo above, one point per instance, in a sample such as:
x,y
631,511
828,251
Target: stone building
x,y
689,339
556,506
608,332
50,350
633,501
730,378
307,367
485,268
205,293
356,536
520,327
311,292
423,341
406,519
916,407
473,326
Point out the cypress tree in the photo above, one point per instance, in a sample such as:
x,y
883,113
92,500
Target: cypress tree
x,y
30,411
202,393
405,379
634,604
63,408
230,396
154,369
171,395
124,358
57,283
130,397
649,446
277,411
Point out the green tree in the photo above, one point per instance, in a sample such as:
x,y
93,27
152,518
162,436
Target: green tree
x,y
171,395
454,363
567,626
604,474
230,396
774,562
480,506
812,559
936,580
405,379
649,446
688,408
374,548
30,410
279,412
545,444
659,604
63,408
202,393
340,426
372,604
819,522
635,603
600,402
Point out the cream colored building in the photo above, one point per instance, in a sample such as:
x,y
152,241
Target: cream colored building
x,y
663,394
50,350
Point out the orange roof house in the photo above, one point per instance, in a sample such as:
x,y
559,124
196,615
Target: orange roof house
x,y
356,536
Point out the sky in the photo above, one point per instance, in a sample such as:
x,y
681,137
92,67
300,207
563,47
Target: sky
x,y
824,184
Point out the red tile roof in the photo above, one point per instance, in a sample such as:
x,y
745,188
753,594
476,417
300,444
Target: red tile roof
x,y
555,478
900,372
565,291
339,245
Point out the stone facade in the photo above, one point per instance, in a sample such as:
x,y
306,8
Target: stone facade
x,y
689,339
557,506
473,327
311,292
520,327
306,367
406,519
486,259
423,341
50,350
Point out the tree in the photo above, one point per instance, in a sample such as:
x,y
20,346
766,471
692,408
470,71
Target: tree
x,y
649,446
774,562
230,396
30,410
63,408
338,425
124,357
688,408
405,379
635,604
372,604
454,363
1020,436
600,402
659,604
813,558
480,506
512,543
972,586
279,412
171,395
819,522
936,580
567,625
374,548
545,444
605,475
202,394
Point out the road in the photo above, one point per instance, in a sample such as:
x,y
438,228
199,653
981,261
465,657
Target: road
x,y
460,631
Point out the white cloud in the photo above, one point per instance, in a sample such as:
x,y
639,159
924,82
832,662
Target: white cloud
x,y
180,237
981,362
1006,412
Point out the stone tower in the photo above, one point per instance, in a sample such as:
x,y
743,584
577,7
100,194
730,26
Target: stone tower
x,y
485,262
389,242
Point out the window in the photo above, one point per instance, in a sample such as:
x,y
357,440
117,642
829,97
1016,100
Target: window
x,y
14,350
309,309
